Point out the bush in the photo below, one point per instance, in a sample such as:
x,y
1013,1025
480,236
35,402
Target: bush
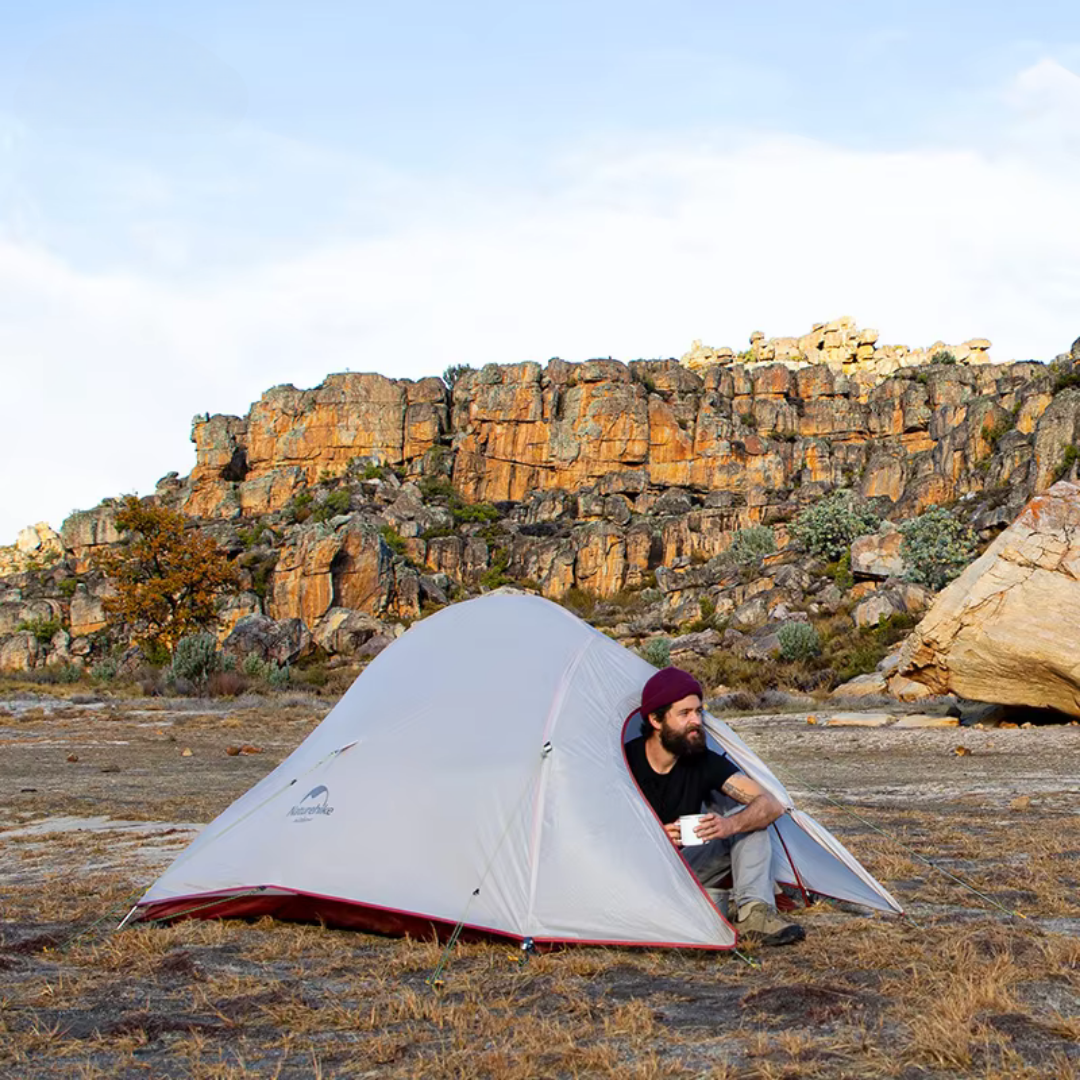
x,y
496,574
436,487
580,601
67,587
454,372
280,676
936,547
42,629
749,546
1069,459
798,641
298,508
393,539
840,571
943,356
472,513
254,667
337,502
195,658
657,651
105,670
827,528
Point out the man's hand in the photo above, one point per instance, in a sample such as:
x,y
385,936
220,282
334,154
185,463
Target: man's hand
x,y
673,833
714,827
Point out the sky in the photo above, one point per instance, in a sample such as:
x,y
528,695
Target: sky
x,y
200,201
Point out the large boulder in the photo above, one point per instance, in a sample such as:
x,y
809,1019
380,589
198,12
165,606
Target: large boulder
x,y
878,554
1006,630
20,652
344,632
268,639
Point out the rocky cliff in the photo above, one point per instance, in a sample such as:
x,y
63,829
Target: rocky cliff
x,y
757,440
369,498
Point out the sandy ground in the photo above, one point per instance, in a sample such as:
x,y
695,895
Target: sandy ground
x,y
97,796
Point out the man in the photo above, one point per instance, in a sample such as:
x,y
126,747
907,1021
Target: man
x,y
678,775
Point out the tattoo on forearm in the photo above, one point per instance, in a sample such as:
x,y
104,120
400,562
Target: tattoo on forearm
x,y
741,788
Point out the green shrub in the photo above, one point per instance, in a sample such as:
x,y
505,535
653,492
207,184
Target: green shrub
x,y
436,487
42,629
827,528
280,676
750,545
1065,377
454,372
254,667
657,651
337,502
798,641
936,547
261,569
195,658
105,670
943,356
994,431
298,508
472,513
1069,459
496,574
68,586
840,571
748,420
580,601
436,531
393,539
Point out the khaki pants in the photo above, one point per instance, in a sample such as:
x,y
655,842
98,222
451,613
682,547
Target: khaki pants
x,y
748,856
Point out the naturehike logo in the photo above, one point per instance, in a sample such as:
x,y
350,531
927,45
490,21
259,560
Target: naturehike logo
x,y
310,807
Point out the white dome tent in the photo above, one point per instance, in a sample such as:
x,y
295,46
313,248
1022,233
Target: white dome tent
x,y
473,777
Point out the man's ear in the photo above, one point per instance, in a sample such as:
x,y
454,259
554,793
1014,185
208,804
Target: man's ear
x,y
655,721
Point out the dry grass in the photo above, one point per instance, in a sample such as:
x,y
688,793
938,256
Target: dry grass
x,y
969,992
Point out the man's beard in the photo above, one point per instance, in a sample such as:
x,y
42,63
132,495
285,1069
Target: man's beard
x,y
691,741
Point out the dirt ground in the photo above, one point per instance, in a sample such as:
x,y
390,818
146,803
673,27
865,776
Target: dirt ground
x,y
98,795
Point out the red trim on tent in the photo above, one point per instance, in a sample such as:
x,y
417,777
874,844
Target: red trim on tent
x,y
791,863
332,911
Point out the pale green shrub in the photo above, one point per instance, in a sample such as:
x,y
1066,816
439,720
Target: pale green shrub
x,y
827,528
936,547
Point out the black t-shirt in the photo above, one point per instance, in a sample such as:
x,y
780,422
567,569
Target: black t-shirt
x,y
686,787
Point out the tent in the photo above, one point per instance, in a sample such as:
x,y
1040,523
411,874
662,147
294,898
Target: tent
x,y
473,778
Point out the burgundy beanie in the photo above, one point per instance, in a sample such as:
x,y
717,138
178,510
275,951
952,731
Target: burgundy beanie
x,y
667,686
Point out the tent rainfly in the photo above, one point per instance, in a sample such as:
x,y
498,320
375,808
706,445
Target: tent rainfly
x,y
473,777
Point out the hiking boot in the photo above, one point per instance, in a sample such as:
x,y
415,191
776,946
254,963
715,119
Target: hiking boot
x,y
762,923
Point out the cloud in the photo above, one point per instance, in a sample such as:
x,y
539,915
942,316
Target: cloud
x,y
628,249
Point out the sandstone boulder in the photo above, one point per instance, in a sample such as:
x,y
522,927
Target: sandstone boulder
x,y
879,605
343,632
20,652
871,685
1006,630
878,555
268,639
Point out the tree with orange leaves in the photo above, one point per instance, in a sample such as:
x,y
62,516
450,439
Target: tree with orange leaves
x,y
168,577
